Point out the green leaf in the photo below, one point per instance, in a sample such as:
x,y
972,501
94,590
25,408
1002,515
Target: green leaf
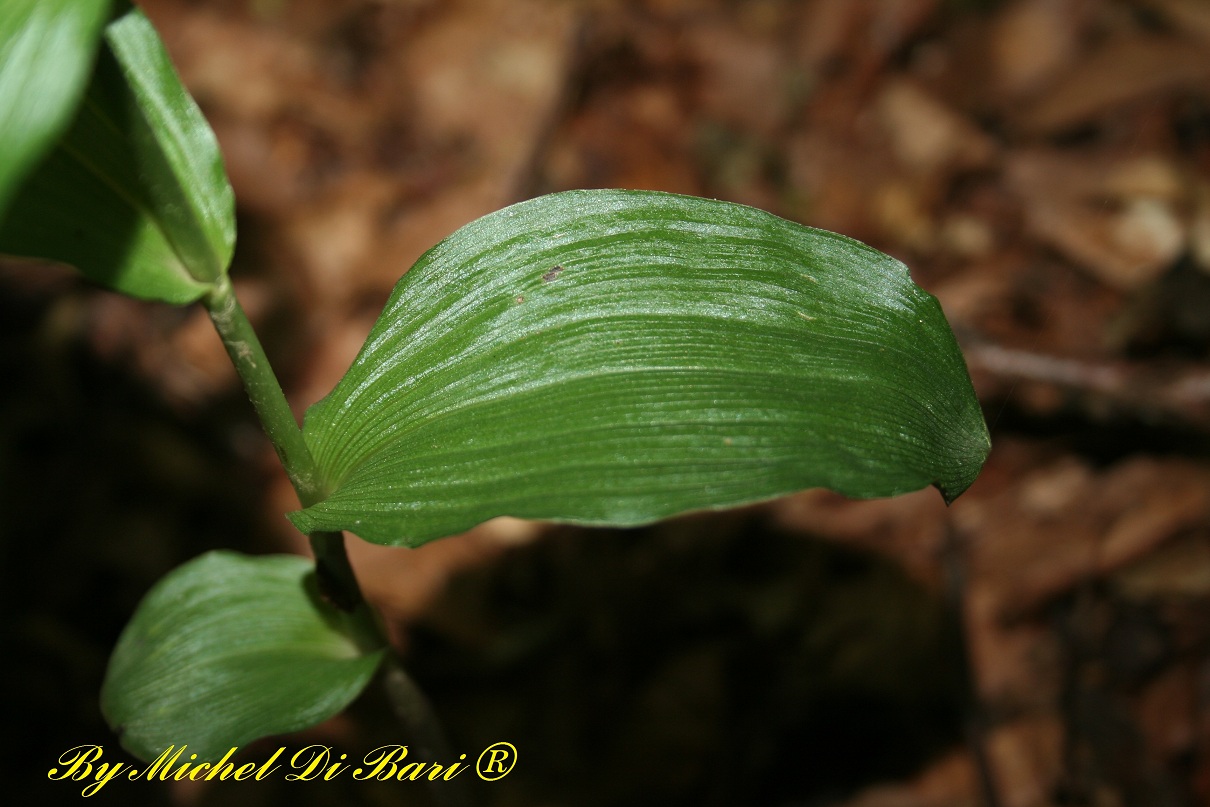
x,y
134,195
616,357
228,648
46,48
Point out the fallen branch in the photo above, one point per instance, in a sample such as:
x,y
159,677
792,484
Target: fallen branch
x,y
1150,392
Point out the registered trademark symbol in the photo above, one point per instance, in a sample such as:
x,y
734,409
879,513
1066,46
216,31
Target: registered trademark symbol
x,y
496,761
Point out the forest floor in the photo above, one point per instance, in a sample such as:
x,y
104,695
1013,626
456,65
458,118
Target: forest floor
x,y
1043,166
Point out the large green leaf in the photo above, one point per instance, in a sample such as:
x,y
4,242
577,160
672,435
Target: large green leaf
x,y
134,195
228,648
615,357
46,49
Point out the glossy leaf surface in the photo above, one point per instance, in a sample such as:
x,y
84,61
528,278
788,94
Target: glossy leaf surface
x,y
46,51
134,194
228,648
616,357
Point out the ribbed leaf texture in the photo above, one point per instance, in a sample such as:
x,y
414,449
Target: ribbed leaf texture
x,y
134,195
229,648
617,357
46,52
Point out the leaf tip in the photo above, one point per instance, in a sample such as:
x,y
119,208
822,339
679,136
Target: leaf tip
x,y
967,471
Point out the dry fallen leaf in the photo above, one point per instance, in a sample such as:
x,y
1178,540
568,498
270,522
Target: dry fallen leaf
x,y
1114,217
926,135
1117,73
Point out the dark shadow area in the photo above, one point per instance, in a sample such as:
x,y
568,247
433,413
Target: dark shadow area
x,y
709,661
103,490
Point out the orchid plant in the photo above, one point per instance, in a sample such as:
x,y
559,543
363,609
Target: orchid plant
x,y
604,357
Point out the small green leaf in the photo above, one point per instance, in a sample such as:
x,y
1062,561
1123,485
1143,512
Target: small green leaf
x,y
228,648
616,357
46,49
134,195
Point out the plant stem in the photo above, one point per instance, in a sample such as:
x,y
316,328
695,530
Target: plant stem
x,y
336,579
254,369
337,583
416,715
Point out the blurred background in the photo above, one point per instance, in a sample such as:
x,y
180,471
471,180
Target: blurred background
x,y
1043,166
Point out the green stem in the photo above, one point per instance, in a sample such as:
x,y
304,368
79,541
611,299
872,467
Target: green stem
x,y
336,578
337,583
250,361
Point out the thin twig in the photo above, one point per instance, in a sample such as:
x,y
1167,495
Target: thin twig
x,y
1148,391
528,179
975,720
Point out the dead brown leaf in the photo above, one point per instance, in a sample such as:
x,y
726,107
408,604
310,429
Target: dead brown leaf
x,y
1117,73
